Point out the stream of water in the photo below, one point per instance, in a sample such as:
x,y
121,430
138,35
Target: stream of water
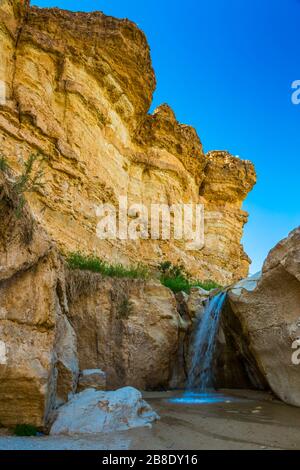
x,y
199,387
200,378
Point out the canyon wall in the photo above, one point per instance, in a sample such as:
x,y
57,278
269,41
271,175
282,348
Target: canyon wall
x,y
267,308
78,88
56,323
38,360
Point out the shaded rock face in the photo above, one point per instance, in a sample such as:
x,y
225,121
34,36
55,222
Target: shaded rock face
x,y
127,328
67,361
268,311
35,365
78,90
92,412
235,365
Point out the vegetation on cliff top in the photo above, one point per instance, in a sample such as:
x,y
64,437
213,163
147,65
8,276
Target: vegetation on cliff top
x,y
176,278
172,276
96,265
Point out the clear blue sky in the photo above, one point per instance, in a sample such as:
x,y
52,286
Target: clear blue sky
x,y
226,67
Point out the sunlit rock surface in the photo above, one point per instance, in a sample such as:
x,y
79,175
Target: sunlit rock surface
x,y
78,90
39,363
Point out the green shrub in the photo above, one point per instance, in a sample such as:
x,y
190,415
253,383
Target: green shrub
x,y
178,280
125,308
30,180
31,176
206,285
172,270
176,284
3,164
96,265
25,430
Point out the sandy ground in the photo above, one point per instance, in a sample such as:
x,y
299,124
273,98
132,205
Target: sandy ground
x,y
252,420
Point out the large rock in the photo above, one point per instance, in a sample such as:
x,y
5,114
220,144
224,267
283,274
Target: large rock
x,y
92,411
127,328
78,90
268,310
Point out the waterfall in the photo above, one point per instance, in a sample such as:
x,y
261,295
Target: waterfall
x,y
200,377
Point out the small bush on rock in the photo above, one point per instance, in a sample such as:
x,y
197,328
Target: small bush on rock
x,y
30,180
125,308
25,430
3,164
178,280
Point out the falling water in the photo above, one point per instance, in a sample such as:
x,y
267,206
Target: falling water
x,y
200,378
199,390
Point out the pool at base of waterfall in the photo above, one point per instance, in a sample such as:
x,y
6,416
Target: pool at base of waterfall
x,y
202,398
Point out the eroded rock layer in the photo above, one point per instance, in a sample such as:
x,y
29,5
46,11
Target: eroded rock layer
x,y
78,87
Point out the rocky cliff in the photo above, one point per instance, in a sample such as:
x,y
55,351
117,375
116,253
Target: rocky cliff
x,y
38,364
55,323
78,88
267,308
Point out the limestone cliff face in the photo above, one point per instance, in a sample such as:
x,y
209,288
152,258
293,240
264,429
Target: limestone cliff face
x,y
78,90
55,322
38,361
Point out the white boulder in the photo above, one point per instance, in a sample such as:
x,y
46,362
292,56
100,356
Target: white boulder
x,y
93,411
